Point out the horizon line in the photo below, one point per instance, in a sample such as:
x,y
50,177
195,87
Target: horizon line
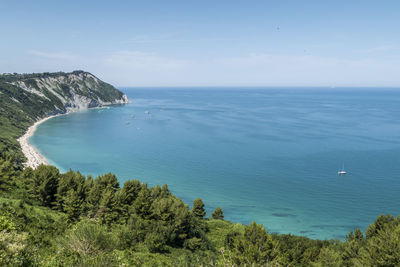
x,y
259,86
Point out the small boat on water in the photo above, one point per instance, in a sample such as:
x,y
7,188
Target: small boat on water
x,y
342,171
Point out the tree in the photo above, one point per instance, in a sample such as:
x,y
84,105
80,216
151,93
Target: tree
x,y
155,242
44,184
73,205
7,172
198,208
165,191
142,204
70,181
255,247
381,222
352,248
107,180
130,191
98,188
329,258
108,208
383,247
218,214
172,220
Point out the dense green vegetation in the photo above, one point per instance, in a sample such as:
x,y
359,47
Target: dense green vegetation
x,y
48,218
18,110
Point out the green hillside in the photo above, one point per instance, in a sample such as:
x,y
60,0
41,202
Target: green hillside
x,y
52,219
26,98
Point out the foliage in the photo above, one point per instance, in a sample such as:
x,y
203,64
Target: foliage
x,y
53,219
198,208
87,239
12,246
44,184
18,110
383,245
254,246
298,250
218,214
70,219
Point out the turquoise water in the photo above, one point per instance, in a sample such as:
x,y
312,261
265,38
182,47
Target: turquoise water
x,y
269,155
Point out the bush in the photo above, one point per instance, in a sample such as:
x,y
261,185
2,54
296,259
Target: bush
x,y
88,238
155,243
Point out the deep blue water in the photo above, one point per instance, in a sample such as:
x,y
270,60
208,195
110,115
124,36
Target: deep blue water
x,y
269,155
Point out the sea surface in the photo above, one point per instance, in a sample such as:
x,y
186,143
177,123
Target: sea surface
x,y
263,154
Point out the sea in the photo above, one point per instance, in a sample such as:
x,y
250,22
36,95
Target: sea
x,y
269,155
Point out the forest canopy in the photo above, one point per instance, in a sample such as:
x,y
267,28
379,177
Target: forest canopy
x,y
53,218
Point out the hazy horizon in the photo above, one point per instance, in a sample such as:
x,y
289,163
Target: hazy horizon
x,y
208,43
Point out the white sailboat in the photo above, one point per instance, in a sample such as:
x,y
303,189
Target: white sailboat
x,y
342,171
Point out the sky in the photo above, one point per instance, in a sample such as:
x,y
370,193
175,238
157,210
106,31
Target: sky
x,y
206,43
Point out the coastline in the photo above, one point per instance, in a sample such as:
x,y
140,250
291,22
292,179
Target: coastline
x,y
34,158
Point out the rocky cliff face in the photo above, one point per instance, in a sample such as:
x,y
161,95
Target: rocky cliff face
x,y
67,92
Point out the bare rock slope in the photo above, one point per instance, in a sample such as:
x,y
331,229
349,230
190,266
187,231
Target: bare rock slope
x,y
68,91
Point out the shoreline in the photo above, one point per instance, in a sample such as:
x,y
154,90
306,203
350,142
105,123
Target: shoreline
x,y
34,158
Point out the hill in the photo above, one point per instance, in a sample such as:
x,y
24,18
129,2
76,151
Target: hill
x,y
26,98
48,218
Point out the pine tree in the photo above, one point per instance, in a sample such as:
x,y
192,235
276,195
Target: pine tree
x,y
130,191
254,247
45,184
198,208
7,172
142,204
70,181
101,184
218,214
108,211
72,205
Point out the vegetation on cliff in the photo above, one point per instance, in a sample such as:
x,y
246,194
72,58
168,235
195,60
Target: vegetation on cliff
x,y
61,85
26,98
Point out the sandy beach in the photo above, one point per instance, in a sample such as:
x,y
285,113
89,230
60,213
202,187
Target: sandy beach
x,y
34,158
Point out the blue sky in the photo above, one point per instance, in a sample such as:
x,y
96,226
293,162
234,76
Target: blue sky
x,y
206,43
